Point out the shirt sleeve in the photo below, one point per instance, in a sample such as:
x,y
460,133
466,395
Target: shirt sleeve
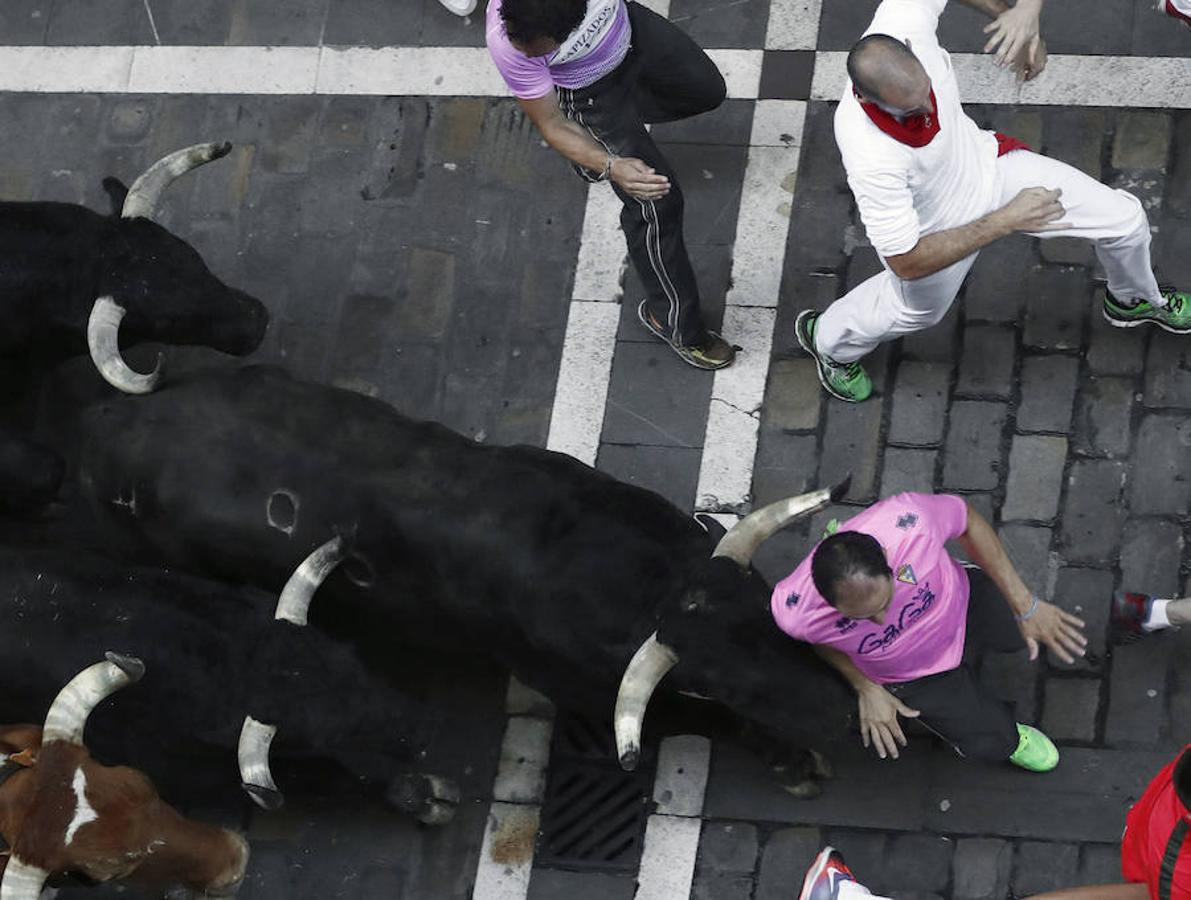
x,y
946,513
528,78
914,19
886,208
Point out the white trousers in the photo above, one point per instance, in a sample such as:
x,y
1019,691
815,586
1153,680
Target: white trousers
x,y
885,307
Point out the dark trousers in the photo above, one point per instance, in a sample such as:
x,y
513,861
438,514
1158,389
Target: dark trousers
x,y
665,77
954,704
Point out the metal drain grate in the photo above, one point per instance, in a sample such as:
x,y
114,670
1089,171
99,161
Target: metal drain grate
x,y
594,813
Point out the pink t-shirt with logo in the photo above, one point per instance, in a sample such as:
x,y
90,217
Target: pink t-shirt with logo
x,y
923,632
590,52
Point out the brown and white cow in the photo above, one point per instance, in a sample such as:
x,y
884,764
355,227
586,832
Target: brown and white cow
x,y
63,812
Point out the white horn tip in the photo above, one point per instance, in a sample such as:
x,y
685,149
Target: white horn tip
x,y
129,665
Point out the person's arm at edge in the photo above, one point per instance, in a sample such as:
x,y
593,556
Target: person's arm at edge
x,y
878,708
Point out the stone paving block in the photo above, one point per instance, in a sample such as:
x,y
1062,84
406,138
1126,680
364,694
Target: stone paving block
x,y
865,852
712,24
918,862
786,75
295,25
1106,26
549,884
728,847
25,21
672,472
908,470
1041,867
1047,393
784,861
993,291
1065,251
672,412
785,466
1142,140
1160,477
1137,708
1178,182
853,433
800,290
1075,136
1114,351
986,365
192,22
1085,593
1092,514
1035,477
1028,547
793,396
1098,864
711,176
1103,416
1014,679
711,885
981,869
730,124
919,403
939,343
1151,550
78,22
1153,36
1056,308
1171,264
1069,709
1168,372
972,459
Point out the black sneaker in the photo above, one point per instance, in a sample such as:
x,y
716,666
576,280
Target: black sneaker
x,y
713,353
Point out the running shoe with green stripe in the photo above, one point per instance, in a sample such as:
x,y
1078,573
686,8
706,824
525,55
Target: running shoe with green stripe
x,y
1035,751
1175,316
844,381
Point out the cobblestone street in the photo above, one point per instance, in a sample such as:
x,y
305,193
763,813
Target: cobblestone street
x,y
428,249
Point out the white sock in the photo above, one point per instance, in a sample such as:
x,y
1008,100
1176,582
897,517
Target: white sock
x,y
1157,618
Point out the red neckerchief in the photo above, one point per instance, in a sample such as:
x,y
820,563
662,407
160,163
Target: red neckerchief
x,y
1007,144
915,131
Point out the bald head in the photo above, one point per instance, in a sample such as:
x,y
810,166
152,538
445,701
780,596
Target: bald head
x,y
884,69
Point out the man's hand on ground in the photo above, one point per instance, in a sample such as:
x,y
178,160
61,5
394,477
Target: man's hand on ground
x,y
879,726
638,180
1061,632
1015,37
1035,209
1029,66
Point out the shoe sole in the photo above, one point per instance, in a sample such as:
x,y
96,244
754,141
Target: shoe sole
x,y
809,346
1118,323
815,871
644,320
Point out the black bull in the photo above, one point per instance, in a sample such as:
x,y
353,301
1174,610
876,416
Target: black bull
x,y
558,571
214,654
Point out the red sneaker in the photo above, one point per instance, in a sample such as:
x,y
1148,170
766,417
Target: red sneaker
x,y
824,876
1129,610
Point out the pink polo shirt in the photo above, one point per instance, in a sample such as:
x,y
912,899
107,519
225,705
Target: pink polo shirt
x,y
923,632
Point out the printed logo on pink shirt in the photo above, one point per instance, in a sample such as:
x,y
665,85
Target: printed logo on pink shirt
x,y
906,521
922,601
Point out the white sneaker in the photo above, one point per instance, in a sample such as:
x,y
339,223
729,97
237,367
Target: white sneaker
x,y
460,7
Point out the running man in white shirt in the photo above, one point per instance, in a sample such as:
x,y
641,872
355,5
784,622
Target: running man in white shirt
x,y
933,188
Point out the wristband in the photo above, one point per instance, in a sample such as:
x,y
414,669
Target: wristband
x,y
1025,617
607,173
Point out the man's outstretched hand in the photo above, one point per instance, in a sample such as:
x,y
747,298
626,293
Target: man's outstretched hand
x,y
1016,40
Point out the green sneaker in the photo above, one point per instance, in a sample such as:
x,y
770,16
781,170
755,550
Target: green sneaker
x,y
1175,316
844,381
1035,751
831,527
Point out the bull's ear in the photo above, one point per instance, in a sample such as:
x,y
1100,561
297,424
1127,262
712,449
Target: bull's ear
x,y
116,191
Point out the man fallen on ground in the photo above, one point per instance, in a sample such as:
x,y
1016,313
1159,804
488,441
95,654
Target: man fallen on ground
x,y
933,189
590,74
1155,852
883,602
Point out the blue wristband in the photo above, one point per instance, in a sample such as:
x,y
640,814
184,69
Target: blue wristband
x,y
1025,617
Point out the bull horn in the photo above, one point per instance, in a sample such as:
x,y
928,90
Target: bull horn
x,y
68,713
146,191
253,753
22,881
742,541
294,603
103,340
645,670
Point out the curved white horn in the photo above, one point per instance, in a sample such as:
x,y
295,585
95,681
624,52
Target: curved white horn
x,y
146,191
742,541
648,666
294,603
22,881
68,713
253,753
103,340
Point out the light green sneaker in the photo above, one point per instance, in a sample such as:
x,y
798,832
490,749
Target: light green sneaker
x,y
1175,316
1035,751
844,381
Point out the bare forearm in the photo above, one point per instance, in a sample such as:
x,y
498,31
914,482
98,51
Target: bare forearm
x,y
573,141
842,664
935,252
985,549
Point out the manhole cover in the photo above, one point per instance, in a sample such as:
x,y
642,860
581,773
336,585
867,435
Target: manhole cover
x,y
594,813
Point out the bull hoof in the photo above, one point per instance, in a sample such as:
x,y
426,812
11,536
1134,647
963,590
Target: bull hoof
x,y
430,799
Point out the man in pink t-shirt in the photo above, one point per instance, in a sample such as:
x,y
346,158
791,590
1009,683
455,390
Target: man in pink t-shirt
x,y
883,602
591,74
